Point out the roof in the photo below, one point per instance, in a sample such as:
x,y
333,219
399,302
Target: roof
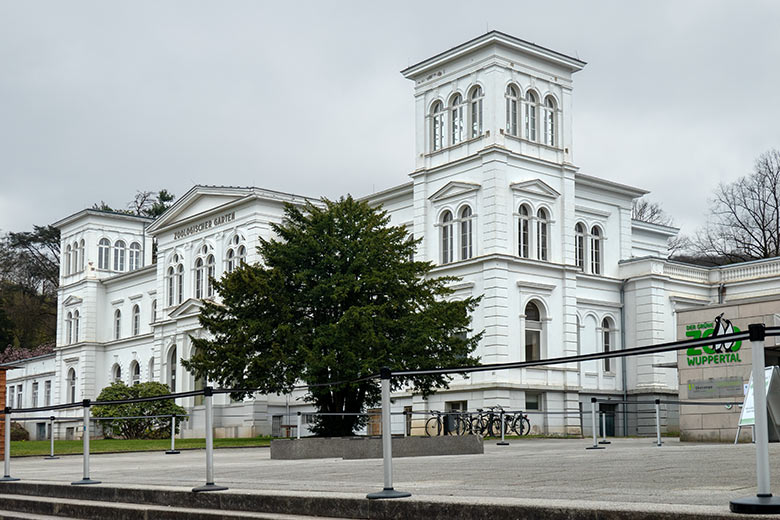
x,y
573,64
100,213
603,184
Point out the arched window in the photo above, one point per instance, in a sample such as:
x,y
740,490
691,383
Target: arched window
x,y
456,119
76,257
231,261
72,385
103,250
542,228
170,280
437,126
530,115
476,111
135,256
606,334
199,273
523,235
151,369
533,332
135,373
116,373
154,311
172,362
595,250
117,324
136,319
81,255
241,255
446,237
466,235
579,246
75,326
512,95
180,284
119,255
69,327
68,255
549,121
210,275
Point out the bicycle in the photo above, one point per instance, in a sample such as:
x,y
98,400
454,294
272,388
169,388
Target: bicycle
x,y
520,424
435,424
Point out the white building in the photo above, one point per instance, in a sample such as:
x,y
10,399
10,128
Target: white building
x,y
498,201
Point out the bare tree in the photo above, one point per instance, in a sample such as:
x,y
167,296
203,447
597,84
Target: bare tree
x,y
651,212
744,221
142,201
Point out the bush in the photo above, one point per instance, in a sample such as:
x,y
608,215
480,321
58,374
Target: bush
x,y
18,433
158,428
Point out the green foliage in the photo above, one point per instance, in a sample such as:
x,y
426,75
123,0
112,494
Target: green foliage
x,y
335,298
18,433
137,428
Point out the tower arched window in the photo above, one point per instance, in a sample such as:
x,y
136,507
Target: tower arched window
x,y
136,320
231,260
154,310
170,281
199,274
119,255
179,283
151,368
446,237
241,255
69,329
523,231
172,362
596,239
512,96
549,121
579,246
68,255
135,373
72,385
476,111
116,373
456,119
437,126
81,255
606,333
135,256
104,246
76,318
76,258
466,233
210,275
542,232
530,115
533,332
117,324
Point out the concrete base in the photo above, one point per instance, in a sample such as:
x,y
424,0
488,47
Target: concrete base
x,y
350,448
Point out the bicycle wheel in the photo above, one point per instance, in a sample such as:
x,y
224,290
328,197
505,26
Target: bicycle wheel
x,y
433,427
517,425
495,427
461,426
477,426
526,425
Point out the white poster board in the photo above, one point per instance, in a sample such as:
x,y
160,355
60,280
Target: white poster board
x,y
748,415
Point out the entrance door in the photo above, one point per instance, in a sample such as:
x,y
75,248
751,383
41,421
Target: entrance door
x,y
40,433
375,422
610,410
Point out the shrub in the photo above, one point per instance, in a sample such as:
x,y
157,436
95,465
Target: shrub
x,y
152,428
18,433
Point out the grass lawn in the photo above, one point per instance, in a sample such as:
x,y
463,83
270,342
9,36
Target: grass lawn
x,y
21,448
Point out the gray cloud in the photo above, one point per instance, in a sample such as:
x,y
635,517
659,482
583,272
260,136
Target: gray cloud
x,y
100,99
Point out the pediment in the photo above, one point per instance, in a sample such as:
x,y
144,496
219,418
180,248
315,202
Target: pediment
x,y
454,189
189,307
72,300
198,201
536,188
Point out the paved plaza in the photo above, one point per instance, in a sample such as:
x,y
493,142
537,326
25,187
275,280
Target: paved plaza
x,y
629,471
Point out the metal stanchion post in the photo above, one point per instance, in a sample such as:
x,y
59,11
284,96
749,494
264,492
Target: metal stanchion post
x,y
387,442
406,421
658,422
85,437
594,426
173,450
7,440
501,418
763,502
298,427
208,394
604,429
51,440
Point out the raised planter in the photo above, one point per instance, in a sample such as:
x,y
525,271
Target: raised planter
x,y
371,447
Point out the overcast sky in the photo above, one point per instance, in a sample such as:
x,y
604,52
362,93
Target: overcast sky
x,y
100,99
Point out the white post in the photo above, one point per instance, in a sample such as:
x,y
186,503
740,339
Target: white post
x,y
298,427
501,418
51,440
7,446
387,442
594,425
763,502
604,428
85,438
658,422
406,422
208,394
173,450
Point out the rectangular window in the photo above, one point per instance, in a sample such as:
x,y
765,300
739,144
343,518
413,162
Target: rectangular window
x,y
10,397
19,397
533,401
579,249
47,393
35,395
607,348
533,350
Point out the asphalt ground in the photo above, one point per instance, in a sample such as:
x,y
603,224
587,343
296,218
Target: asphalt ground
x,y
628,471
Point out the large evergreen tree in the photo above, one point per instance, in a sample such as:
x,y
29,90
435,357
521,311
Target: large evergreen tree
x,y
334,298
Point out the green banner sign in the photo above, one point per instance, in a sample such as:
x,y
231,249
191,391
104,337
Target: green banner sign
x,y
719,353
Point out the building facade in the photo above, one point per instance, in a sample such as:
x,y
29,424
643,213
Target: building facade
x,y
498,201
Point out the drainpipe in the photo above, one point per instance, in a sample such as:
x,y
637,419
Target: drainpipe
x,y
623,361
